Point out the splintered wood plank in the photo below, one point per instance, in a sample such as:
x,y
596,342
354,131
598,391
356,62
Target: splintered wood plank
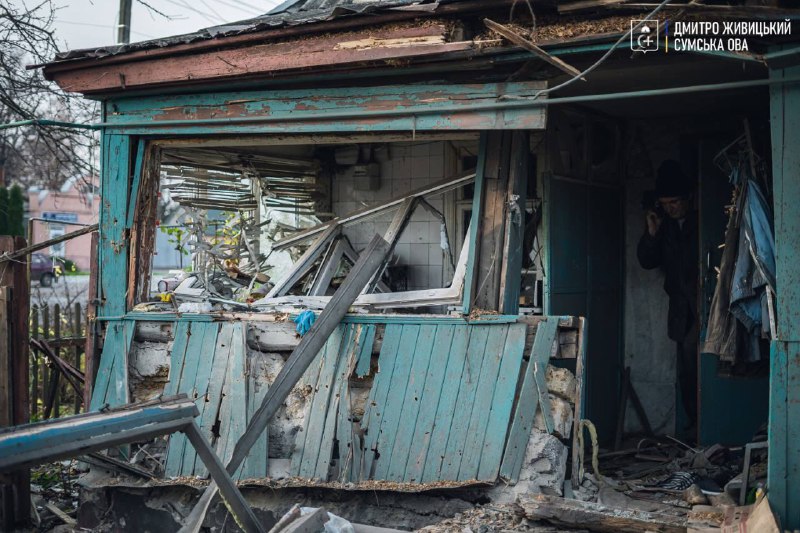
x,y
429,403
256,464
502,403
174,465
315,420
111,386
234,402
200,389
390,424
522,422
540,355
344,367
349,447
482,406
422,360
466,399
210,406
179,340
446,410
366,341
376,404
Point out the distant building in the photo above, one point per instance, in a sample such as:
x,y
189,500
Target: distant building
x,y
76,202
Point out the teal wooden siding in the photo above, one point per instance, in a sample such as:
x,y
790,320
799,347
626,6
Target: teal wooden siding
x,y
113,246
111,385
784,400
350,109
438,410
449,400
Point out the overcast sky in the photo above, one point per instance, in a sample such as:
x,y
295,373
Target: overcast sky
x,y
92,23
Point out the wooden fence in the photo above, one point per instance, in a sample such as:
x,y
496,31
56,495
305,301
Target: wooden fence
x,y
57,364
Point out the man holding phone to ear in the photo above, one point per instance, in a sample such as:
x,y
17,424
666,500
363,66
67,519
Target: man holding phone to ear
x,y
670,241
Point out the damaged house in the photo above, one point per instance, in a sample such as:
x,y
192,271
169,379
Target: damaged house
x,y
504,156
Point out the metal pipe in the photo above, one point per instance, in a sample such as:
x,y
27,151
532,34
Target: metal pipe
x,y
495,106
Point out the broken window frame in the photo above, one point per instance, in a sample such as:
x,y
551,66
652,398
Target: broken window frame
x,y
146,185
328,232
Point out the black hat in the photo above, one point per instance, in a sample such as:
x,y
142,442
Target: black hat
x,y
671,181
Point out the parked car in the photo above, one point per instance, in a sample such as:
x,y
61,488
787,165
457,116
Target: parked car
x,y
42,269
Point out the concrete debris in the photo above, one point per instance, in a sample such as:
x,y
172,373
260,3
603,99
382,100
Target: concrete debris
x,y
563,416
561,382
489,519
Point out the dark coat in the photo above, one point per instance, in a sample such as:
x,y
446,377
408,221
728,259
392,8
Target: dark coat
x,y
675,250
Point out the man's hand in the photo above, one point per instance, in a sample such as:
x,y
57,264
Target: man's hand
x,y
653,223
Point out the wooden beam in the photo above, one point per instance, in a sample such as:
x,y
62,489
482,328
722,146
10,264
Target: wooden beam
x,y
316,52
434,189
305,263
22,252
302,357
597,517
239,506
518,40
330,264
14,277
392,235
90,353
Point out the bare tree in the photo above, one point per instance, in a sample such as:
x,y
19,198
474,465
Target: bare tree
x,y
37,154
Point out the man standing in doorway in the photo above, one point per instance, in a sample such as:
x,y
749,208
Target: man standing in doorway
x,y
670,241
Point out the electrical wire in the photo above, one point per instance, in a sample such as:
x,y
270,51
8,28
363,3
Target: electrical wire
x,y
600,61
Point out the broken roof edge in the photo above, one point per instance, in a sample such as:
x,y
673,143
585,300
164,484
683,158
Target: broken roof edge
x,y
271,26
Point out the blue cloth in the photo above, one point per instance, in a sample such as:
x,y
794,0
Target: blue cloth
x,y
755,266
304,321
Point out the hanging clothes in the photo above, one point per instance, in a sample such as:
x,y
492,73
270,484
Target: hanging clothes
x,y
723,330
739,314
754,271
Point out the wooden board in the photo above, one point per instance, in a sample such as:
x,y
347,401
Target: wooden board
x,y
111,385
597,517
454,107
195,357
522,423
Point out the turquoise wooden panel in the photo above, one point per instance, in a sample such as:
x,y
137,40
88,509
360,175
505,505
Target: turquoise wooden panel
x,y
474,224
210,397
256,464
429,403
137,179
468,387
318,413
345,359
392,409
447,404
785,125
784,418
233,411
401,108
113,245
540,353
421,357
366,341
376,403
111,385
499,415
209,351
522,422
201,336
482,406
180,338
